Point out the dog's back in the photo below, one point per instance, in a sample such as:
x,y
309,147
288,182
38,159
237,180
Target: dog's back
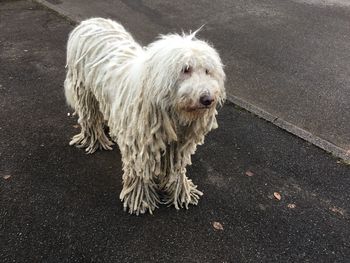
x,y
91,45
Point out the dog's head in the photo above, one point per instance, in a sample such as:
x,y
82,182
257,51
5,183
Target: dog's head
x,y
187,75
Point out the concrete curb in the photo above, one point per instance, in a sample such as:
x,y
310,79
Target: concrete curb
x,y
319,142
72,18
285,125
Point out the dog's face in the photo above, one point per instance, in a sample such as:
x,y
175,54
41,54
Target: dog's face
x,y
199,89
190,75
200,85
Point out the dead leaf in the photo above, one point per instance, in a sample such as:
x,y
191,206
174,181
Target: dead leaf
x,y
7,176
249,173
337,210
291,206
277,196
218,226
347,162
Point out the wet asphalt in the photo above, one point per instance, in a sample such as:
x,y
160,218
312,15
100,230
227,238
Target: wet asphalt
x,y
58,204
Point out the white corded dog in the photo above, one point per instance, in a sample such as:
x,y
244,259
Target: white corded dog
x,y
159,102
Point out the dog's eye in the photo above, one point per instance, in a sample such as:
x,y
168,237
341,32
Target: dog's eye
x,y
207,71
187,70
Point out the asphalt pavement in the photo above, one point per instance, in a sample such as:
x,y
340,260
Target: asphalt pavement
x,y
277,197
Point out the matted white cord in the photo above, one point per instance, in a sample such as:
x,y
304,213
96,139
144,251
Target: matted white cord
x,y
148,104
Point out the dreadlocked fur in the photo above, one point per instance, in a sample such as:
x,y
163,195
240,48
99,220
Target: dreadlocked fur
x,y
150,97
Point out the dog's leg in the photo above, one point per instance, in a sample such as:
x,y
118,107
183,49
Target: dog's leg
x,y
92,135
139,194
181,191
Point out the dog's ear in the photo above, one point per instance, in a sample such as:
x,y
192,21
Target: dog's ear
x,y
160,78
153,111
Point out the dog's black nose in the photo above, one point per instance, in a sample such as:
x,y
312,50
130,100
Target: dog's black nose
x,y
206,100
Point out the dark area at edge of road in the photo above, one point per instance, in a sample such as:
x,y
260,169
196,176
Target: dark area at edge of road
x,y
62,205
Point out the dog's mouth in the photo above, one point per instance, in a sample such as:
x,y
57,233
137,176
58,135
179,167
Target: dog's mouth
x,y
195,108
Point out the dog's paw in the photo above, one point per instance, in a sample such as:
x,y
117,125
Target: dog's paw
x,y
182,193
139,197
91,143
